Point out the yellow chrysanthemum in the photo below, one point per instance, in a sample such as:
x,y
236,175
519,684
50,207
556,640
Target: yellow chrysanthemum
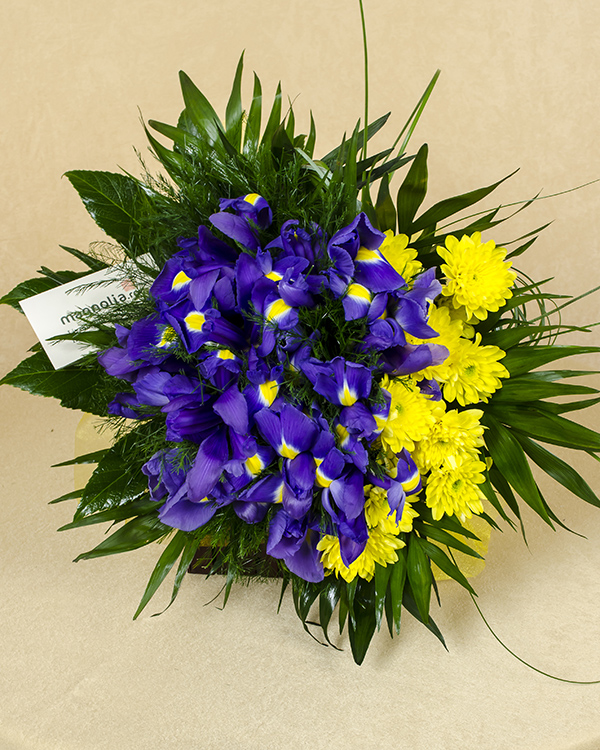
x,y
381,545
474,372
454,433
410,416
477,276
452,488
449,331
395,250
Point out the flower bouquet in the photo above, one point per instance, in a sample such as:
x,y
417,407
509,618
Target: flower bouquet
x,y
300,378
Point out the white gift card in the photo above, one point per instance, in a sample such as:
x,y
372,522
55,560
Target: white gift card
x,y
59,310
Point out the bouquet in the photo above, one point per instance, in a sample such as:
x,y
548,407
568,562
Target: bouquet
x,y
303,377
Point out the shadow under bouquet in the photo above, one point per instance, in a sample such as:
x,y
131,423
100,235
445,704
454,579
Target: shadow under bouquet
x,y
302,379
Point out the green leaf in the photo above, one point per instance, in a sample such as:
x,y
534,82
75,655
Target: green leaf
x,y
233,112
312,137
75,386
450,206
252,134
166,561
68,496
361,625
522,359
547,427
382,579
114,201
328,599
511,462
419,575
436,555
92,263
274,120
141,507
135,534
171,161
570,406
182,138
27,289
384,207
111,486
410,605
412,191
85,458
443,537
393,602
559,470
199,110
450,523
532,389
189,552
339,153
492,498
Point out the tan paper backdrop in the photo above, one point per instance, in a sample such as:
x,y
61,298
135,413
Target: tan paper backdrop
x,y
519,88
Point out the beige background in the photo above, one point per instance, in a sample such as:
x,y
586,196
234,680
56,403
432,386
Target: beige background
x,y
519,88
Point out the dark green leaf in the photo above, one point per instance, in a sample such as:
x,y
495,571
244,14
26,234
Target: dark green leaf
x,y
339,153
393,602
412,191
92,263
74,386
559,470
328,599
382,578
166,561
86,458
199,110
451,206
550,428
410,605
135,534
27,289
450,523
114,201
384,208
68,496
511,462
191,547
492,498
522,359
532,389
141,507
361,625
110,486
233,112
418,571
443,537
171,161
570,406
252,134
436,555
274,120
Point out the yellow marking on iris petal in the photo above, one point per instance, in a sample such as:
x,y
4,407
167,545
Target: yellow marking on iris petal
x,y
342,433
179,280
167,337
359,291
274,276
254,464
411,483
225,354
279,495
268,391
195,320
277,309
322,480
251,198
367,256
383,315
287,451
348,397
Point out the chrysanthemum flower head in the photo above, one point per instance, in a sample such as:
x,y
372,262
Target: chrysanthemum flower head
x,y
454,433
410,416
452,488
474,372
477,276
395,250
